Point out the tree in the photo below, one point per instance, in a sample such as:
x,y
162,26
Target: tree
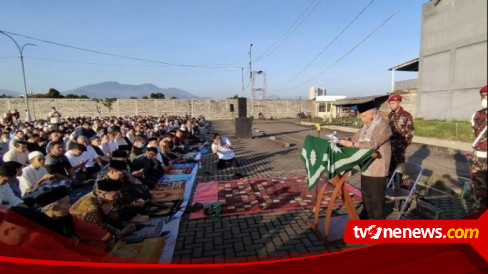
x,y
76,96
157,95
108,103
234,97
133,97
53,93
144,97
174,97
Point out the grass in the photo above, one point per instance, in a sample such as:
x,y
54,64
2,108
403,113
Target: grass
x,y
446,130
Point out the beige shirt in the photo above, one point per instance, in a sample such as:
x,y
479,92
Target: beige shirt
x,y
19,157
380,141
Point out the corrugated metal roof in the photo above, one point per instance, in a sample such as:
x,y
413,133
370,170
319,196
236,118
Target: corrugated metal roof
x,y
376,99
412,65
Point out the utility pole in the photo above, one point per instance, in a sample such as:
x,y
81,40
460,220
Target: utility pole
x,y
242,78
21,51
250,79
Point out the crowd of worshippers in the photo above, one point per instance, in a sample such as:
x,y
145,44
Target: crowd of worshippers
x,y
118,159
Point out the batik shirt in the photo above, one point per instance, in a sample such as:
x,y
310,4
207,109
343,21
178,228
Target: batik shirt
x,y
479,123
89,209
401,124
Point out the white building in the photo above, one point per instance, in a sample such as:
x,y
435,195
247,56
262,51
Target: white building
x,y
324,104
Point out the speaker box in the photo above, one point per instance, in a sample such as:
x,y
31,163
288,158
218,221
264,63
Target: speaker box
x,y
242,107
243,128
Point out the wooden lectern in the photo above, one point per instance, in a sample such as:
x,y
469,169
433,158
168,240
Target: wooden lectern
x,y
322,227
324,157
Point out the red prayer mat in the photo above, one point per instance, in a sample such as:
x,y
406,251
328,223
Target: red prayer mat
x,y
255,195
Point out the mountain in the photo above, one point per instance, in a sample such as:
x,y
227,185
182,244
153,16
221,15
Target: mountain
x,y
117,90
7,92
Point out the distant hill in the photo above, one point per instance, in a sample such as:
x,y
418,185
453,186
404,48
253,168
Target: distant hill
x,y
118,90
7,92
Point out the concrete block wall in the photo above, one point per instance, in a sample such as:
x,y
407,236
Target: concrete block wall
x,y
453,59
212,109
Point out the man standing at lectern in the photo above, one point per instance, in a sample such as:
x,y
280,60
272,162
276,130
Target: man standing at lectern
x,y
375,134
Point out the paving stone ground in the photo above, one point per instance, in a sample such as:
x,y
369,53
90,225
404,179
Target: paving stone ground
x,y
277,235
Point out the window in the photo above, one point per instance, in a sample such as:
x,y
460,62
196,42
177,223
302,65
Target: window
x,y
322,107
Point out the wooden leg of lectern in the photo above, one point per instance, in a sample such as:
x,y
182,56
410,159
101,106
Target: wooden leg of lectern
x,y
316,209
330,206
314,225
349,205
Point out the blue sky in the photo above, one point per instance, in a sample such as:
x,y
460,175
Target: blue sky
x,y
201,45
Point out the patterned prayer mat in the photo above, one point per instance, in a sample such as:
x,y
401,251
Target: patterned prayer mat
x,y
151,248
150,229
167,191
254,195
181,171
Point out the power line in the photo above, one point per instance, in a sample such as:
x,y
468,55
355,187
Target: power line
x,y
328,46
355,47
289,32
94,63
121,56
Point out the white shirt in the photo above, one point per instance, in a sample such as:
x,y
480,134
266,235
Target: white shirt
x,y
113,146
75,160
90,155
105,147
29,177
7,196
223,152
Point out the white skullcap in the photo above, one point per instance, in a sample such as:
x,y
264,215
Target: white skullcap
x,y
35,154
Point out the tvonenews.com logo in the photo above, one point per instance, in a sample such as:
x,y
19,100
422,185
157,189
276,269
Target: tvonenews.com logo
x,y
413,231
375,232
473,232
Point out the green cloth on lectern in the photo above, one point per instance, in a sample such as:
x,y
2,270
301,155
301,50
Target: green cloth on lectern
x,y
322,156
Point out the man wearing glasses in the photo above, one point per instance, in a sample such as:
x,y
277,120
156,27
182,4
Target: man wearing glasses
x,y
34,174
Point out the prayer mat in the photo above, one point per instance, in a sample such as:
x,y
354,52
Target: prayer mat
x,y
167,191
255,195
150,229
187,170
151,248
162,208
175,177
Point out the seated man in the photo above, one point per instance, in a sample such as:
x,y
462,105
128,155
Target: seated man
x,y
14,181
78,160
121,140
7,196
96,142
18,153
223,148
94,163
34,174
167,157
179,142
129,204
55,204
57,164
137,147
97,208
169,139
151,167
